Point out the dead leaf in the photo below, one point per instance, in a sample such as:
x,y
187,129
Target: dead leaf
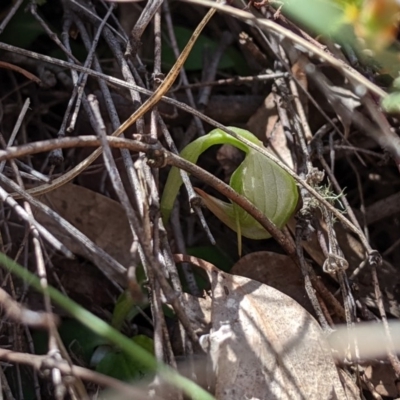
x,y
198,310
101,219
354,253
266,125
275,270
383,379
350,387
298,71
230,158
264,345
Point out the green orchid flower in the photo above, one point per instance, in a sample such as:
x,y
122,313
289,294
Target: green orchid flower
x,y
271,189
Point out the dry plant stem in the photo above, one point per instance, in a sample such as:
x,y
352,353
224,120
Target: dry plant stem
x,y
160,340
17,344
76,141
94,18
193,197
67,177
361,195
181,247
327,296
307,135
50,33
24,316
237,80
152,101
169,356
56,156
304,62
339,190
126,70
4,196
210,71
171,159
15,130
120,83
159,235
112,170
226,190
387,138
55,345
170,264
6,387
186,181
183,76
158,318
22,71
282,112
111,268
10,14
176,224
391,248
150,186
336,264
305,269
137,225
394,360
324,309
145,17
27,176
41,363
79,87
111,109
371,387
59,386
251,51
34,175
271,26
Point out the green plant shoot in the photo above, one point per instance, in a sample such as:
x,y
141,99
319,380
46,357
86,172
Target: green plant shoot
x,y
271,189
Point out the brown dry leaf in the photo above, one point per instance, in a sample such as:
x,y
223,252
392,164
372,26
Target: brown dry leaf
x,y
101,219
354,253
275,270
230,158
299,73
266,125
198,310
264,345
383,379
352,390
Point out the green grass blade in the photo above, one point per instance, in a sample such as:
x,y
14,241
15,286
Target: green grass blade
x,y
108,332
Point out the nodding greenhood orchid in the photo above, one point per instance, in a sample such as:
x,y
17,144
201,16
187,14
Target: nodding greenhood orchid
x,y
271,189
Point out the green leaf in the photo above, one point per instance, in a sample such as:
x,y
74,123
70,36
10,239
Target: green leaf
x,y
80,340
191,153
119,365
232,58
108,332
214,255
23,29
391,103
271,189
124,309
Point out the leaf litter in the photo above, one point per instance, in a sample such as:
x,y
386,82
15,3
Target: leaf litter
x,y
263,341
